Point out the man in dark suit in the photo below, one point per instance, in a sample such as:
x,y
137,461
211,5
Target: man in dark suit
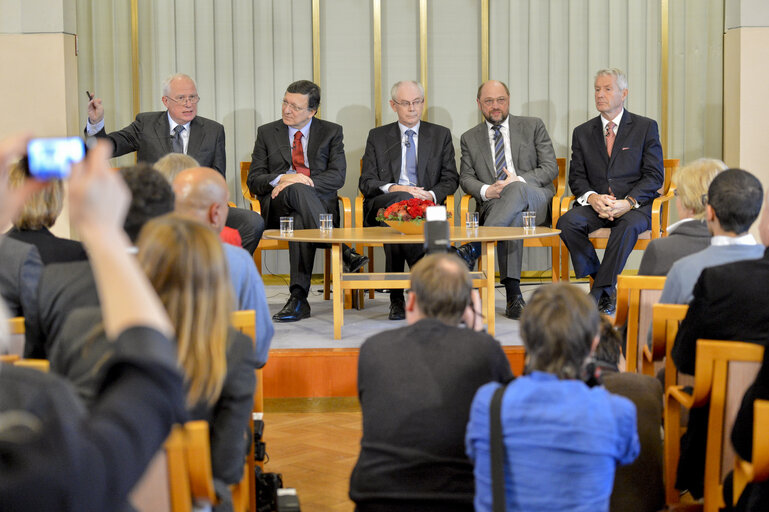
x,y
19,276
179,129
406,159
412,456
616,171
297,167
508,166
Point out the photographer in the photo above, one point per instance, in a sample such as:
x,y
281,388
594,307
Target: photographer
x,y
415,385
53,456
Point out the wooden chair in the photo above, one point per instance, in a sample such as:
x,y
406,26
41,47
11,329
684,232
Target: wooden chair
x,y
635,297
555,210
660,214
271,245
757,470
723,372
665,321
42,365
244,492
16,330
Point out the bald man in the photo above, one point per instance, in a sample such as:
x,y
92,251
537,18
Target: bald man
x,y
201,193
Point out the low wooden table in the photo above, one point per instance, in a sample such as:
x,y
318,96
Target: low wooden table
x,y
484,279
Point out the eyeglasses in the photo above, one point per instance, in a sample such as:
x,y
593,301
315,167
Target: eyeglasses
x,y
407,104
704,199
491,101
292,107
183,100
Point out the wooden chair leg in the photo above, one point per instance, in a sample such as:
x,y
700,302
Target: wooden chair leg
x,y
258,260
327,274
555,258
371,269
564,262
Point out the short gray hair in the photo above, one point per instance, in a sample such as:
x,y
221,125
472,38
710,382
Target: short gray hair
x,y
165,87
396,85
617,74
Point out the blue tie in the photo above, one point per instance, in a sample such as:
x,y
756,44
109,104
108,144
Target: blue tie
x,y
411,159
499,151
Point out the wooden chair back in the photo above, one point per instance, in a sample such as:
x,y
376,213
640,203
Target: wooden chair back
x,y
723,371
16,330
757,470
42,365
635,297
665,321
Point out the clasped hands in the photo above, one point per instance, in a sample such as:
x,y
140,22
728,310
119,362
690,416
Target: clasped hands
x,y
418,192
288,180
607,206
495,190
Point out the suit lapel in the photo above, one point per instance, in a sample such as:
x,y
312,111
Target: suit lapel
x,y
622,131
482,141
599,140
163,132
423,152
196,138
312,147
514,132
393,141
281,136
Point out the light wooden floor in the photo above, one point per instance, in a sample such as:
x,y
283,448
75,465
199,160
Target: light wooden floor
x,y
315,452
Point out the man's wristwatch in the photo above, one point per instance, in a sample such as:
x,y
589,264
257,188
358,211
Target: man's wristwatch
x,y
633,203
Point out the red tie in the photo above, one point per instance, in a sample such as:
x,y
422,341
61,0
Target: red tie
x,y
609,136
297,155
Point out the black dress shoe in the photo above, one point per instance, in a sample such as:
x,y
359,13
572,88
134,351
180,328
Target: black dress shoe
x,y
607,304
515,307
468,254
397,309
295,309
353,261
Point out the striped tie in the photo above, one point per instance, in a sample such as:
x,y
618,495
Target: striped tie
x,y
499,152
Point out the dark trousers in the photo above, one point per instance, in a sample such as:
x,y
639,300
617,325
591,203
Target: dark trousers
x,y
396,255
250,226
303,204
580,221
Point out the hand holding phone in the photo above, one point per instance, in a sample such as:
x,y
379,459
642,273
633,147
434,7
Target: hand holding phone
x,y
50,159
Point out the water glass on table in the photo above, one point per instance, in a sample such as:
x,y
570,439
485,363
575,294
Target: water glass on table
x,y
326,221
529,220
286,225
471,220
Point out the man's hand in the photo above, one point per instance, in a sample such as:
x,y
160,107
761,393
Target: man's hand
x,y
473,315
495,190
418,192
602,204
95,110
619,208
289,179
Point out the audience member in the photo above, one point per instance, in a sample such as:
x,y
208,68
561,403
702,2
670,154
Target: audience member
x,y
520,179
297,167
19,277
201,193
54,457
178,129
562,439
415,385
732,205
184,261
616,171
37,215
67,286
638,487
690,233
423,167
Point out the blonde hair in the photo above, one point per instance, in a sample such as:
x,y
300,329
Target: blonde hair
x,y
174,163
185,263
693,180
42,208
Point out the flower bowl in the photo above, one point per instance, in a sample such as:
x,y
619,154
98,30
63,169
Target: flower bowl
x,y
407,227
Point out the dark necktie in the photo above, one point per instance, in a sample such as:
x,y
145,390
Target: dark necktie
x,y
499,152
411,159
177,144
297,155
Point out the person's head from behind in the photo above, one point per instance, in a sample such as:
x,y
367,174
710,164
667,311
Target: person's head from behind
x,y
42,208
609,348
201,193
733,202
440,289
174,163
185,263
151,196
692,182
559,328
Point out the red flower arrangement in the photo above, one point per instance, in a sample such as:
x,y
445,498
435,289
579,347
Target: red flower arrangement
x,y
408,210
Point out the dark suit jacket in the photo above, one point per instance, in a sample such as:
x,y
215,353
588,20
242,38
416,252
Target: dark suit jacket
x,y
638,487
635,168
530,147
688,238
52,248
20,268
149,135
436,168
272,157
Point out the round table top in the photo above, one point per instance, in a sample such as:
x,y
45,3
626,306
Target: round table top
x,y
389,235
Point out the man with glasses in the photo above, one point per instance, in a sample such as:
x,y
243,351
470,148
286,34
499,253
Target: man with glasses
x,y
405,159
297,167
508,166
179,129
